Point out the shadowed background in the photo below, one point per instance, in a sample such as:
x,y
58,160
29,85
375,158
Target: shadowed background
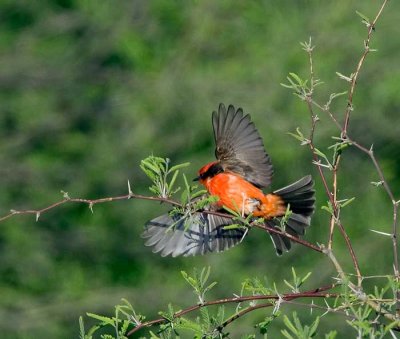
x,y
90,88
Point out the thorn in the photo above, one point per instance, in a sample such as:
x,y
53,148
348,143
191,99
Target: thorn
x,y
129,190
37,216
91,207
381,233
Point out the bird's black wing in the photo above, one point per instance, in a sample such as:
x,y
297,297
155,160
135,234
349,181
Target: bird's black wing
x,y
239,147
196,234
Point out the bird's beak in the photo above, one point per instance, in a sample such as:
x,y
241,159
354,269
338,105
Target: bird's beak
x,y
196,179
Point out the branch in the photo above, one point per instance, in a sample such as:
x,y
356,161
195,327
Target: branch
x,y
395,205
315,293
358,292
331,196
130,195
371,28
89,202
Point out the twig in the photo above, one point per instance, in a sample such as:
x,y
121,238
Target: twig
x,y
92,202
371,28
326,110
357,290
271,230
289,236
89,202
395,205
315,293
331,196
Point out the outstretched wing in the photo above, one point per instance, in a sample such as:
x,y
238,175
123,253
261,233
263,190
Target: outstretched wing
x,y
239,147
196,234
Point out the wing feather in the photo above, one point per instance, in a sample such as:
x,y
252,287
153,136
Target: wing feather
x,y
239,147
204,233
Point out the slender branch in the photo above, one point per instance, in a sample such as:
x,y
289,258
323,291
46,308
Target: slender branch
x,y
89,202
358,292
92,202
378,168
271,230
336,310
315,293
326,110
395,204
331,196
242,313
289,236
371,28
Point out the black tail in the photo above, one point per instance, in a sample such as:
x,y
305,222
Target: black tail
x,y
300,197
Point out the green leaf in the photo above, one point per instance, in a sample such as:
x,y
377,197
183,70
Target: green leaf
x,y
172,182
297,78
103,319
186,324
314,326
179,166
286,334
344,203
344,77
299,136
81,328
364,18
233,227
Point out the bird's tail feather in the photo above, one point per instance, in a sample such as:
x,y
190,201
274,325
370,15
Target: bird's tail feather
x,y
300,198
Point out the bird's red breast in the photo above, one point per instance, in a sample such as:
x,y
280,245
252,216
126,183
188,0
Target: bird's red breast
x,y
240,195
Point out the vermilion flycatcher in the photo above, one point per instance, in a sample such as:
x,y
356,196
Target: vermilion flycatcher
x,y
241,170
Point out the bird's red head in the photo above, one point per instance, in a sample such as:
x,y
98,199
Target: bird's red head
x,y
208,171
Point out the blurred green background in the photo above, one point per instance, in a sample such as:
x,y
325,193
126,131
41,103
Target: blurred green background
x,y
89,88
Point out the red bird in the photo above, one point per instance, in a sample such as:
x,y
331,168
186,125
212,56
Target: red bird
x,y
241,170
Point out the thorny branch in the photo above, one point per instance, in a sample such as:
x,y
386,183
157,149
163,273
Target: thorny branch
x,y
130,195
89,202
315,293
395,205
371,29
332,195
357,290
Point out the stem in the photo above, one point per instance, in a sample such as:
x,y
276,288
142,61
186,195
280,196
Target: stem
x,y
92,202
332,221
315,293
395,204
89,202
371,28
332,196
291,237
358,291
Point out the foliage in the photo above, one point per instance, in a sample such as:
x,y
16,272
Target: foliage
x,y
89,89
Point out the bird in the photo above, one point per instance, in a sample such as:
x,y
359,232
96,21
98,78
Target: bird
x,y
237,178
